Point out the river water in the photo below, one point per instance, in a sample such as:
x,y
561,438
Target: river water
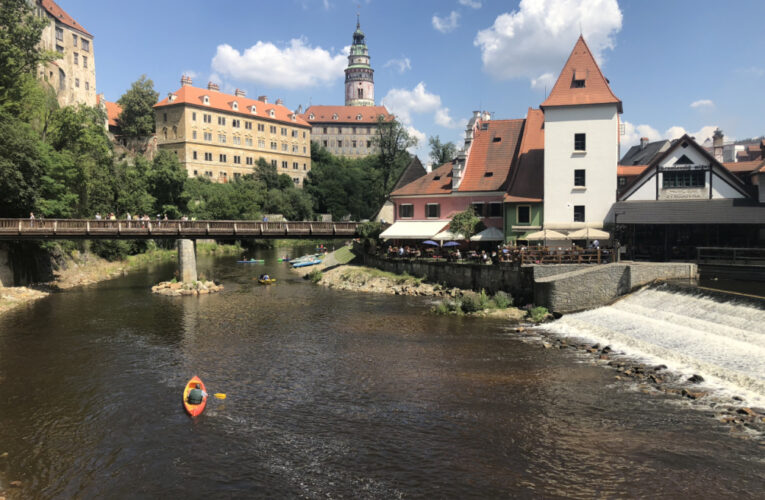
x,y
329,395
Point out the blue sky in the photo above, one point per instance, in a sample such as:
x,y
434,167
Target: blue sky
x,y
677,65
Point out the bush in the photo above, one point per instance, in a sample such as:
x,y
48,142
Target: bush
x,y
538,314
503,300
441,308
471,302
111,249
484,302
315,276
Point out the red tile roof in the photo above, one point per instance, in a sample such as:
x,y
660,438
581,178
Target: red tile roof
x,y
629,170
324,114
62,17
439,181
527,179
491,155
742,166
224,102
581,65
113,111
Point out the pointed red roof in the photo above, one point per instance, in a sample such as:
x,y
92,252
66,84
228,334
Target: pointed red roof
x,y
61,16
581,67
494,148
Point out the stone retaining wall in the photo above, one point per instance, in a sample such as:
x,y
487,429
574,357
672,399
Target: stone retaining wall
x,y
600,285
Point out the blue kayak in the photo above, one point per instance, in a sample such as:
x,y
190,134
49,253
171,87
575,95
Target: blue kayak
x,y
251,261
306,263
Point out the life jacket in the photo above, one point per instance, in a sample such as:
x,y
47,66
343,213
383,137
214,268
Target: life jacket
x,y
195,397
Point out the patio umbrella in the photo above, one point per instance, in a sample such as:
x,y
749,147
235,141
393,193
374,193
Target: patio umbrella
x,y
546,234
589,233
489,234
430,242
451,244
448,235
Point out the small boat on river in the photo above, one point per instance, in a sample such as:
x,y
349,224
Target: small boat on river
x,y
194,409
251,261
306,263
269,281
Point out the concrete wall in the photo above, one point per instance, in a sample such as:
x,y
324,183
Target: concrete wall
x,y
596,286
6,273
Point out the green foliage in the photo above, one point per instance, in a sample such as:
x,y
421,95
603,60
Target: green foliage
x,y
20,32
111,249
471,302
166,181
441,152
315,276
502,300
538,314
22,163
466,223
137,117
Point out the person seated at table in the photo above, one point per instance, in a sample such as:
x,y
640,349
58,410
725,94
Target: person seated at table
x,y
457,254
400,251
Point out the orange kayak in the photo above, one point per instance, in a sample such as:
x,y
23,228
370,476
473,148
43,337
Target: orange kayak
x,y
191,409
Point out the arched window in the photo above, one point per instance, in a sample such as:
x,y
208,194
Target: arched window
x,y
361,93
164,133
175,132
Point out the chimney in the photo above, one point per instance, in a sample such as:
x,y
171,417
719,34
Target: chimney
x,y
300,109
643,142
263,98
213,86
717,145
240,93
185,80
279,102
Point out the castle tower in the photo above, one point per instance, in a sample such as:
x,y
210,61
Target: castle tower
x,y
359,75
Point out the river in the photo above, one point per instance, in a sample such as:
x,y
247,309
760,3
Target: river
x,y
329,395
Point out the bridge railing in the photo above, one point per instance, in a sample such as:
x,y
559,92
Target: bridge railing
x,y
62,228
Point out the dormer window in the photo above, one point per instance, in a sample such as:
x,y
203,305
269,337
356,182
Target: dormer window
x,y
235,106
334,116
311,117
488,174
578,84
358,116
293,117
578,81
484,126
206,100
436,178
271,113
253,110
496,139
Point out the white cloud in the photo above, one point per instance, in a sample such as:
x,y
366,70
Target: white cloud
x,y
403,102
402,64
419,136
536,39
545,81
633,133
471,3
703,103
446,24
296,65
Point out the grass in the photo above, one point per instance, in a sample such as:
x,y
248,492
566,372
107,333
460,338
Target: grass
x,y
315,276
344,255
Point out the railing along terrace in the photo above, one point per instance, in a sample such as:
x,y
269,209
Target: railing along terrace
x,y
730,255
13,229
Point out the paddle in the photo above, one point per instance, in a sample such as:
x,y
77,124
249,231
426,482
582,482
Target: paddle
x,y
220,395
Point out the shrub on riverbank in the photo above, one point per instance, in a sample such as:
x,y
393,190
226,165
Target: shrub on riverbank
x,y
538,314
315,275
473,302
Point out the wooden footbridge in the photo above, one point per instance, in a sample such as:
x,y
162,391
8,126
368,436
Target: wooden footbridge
x,y
185,232
72,229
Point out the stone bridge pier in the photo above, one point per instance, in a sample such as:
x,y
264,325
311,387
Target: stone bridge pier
x,y
187,260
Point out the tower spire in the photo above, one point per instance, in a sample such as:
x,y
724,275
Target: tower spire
x,y
359,75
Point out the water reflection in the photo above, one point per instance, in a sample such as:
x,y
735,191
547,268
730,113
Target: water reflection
x,y
330,394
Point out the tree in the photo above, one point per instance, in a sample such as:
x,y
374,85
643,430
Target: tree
x,y
137,117
20,32
441,153
392,140
21,166
466,223
166,183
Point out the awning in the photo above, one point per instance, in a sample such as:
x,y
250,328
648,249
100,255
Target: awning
x,y
546,234
413,229
489,234
588,233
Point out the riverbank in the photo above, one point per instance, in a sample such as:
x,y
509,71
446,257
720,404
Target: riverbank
x,y
81,269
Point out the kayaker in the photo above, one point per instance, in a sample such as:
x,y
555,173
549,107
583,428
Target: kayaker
x,y
196,395
266,277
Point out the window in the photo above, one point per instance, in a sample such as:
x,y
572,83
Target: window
x,y
406,211
305,167
296,180
261,143
284,164
237,159
236,123
339,144
222,158
578,84
285,146
85,45
208,173
74,40
578,213
237,175
369,144
77,82
237,140
361,93
579,177
303,134
175,132
76,58
272,129
60,34
325,143
274,146
248,125
208,136
478,208
208,156
580,142
353,144
495,209
273,163
432,210
294,165
207,118
84,61
261,127
193,117
196,172
194,155
684,179
248,141
222,138
221,120
622,181
294,133
325,130
164,117
249,160
193,134
87,85
523,214
284,131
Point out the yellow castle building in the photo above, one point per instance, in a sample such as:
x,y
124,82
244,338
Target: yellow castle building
x,y
222,136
